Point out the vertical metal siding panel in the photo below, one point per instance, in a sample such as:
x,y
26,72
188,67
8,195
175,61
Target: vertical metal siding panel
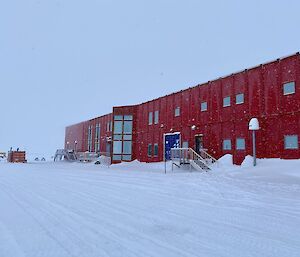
x,y
241,131
139,131
271,72
204,97
215,139
195,106
163,124
185,106
170,112
240,87
177,121
290,126
215,100
290,103
227,133
255,96
226,113
272,137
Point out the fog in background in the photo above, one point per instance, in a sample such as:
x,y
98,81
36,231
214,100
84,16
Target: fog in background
x,y
64,61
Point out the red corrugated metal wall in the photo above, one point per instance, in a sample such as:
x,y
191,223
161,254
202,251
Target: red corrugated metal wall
x,y
79,133
262,87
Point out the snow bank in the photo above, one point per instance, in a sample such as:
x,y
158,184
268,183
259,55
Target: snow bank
x,y
134,209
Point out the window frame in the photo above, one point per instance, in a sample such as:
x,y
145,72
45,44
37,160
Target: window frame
x,y
150,118
149,150
177,111
227,97
155,150
287,83
227,139
206,108
291,148
236,144
236,102
156,117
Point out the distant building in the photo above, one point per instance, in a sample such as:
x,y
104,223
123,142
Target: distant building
x,y
213,115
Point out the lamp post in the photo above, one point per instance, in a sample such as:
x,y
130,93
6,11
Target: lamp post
x,y
253,126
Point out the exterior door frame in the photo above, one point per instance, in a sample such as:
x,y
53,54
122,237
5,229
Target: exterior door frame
x,y
197,136
164,140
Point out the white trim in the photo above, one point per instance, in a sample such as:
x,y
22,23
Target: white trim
x,y
173,133
290,93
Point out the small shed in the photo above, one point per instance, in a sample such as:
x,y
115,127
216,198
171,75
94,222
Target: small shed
x,y
17,156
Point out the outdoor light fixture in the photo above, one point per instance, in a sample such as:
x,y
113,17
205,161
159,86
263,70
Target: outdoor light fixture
x,y
253,126
193,127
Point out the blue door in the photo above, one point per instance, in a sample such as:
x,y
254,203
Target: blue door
x,y
171,141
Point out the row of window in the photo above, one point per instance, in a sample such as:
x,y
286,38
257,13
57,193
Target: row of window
x,y
203,107
150,117
240,144
290,142
288,89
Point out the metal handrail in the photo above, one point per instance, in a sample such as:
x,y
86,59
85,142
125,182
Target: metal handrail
x,y
90,156
185,155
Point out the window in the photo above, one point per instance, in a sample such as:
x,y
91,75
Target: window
x,y
150,118
203,106
291,142
127,147
226,144
128,117
108,126
118,117
240,144
126,157
118,127
177,111
117,147
289,88
127,127
97,138
149,150
155,149
90,135
127,137
117,137
117,157
239,98
156,117
122,136
226,101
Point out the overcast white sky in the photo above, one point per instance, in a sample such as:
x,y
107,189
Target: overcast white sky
x,y
64,61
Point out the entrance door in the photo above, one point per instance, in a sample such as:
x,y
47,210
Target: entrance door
x,y
171,141
198,143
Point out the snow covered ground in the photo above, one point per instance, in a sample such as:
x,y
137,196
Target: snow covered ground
x,y
83,210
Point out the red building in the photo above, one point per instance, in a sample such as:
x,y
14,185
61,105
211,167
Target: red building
x,y
213,115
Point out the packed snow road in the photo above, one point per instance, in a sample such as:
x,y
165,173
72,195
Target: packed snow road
x,y
64,210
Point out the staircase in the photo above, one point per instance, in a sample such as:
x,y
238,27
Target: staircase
x,y
187,156
65,155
